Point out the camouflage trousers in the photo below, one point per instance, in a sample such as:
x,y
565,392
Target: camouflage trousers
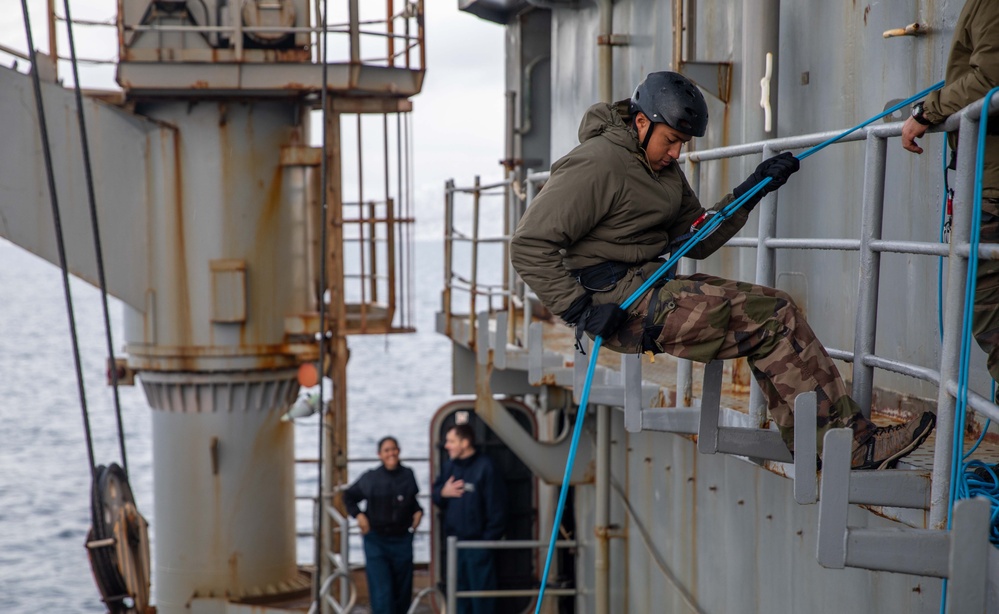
x,y
985,318
704,318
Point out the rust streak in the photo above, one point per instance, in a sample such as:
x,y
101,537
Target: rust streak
x,y
183,302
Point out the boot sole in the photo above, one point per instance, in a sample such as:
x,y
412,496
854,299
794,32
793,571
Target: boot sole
x,y
920,437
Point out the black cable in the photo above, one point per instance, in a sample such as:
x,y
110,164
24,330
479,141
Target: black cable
x,y
322,323
60,243
88,172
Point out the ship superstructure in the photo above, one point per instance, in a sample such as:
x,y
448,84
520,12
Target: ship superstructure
x,y
684,498
240,286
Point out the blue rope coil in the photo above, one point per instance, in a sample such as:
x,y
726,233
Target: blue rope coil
x,y
972,478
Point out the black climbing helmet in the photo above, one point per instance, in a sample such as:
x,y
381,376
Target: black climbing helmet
x,y
672,99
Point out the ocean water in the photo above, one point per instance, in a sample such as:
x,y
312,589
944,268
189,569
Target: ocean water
x,y
44,477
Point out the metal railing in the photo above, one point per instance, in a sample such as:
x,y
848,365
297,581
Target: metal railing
x,y
870,246
469,283
401,30
377,223
452,592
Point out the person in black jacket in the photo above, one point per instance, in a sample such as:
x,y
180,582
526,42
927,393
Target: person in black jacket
x,y
472,496
388,523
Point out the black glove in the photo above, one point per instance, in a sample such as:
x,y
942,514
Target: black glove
x,y
603,320
777,168
576,310
600,320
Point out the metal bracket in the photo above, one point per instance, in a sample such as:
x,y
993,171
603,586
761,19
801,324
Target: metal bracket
x,y
544,368
638,417
712,438
713,77
615,40
906,489
499,345
805,452
960,554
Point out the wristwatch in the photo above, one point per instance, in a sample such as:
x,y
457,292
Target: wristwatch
x,y
917,114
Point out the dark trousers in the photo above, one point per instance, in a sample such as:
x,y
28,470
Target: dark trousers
x,y
985,320
476,572
389,567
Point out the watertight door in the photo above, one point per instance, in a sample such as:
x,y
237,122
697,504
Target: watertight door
x,y
515,569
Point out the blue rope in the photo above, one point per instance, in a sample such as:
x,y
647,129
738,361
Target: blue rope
x,y
709,226
969,302
964,486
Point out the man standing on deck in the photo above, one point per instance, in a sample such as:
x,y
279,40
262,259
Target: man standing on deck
x,y
972,70
619,201
472,495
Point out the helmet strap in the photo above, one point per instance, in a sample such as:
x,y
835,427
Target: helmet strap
x,y
648,135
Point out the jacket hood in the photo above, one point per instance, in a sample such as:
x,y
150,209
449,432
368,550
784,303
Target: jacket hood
x,y
609,121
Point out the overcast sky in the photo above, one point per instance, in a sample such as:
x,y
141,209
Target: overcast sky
x,y
457,118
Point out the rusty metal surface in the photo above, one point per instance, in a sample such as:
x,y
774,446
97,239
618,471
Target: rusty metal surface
x,y
301,155
750,511
732,534
150,79
226,199
728,528
173,53
228,290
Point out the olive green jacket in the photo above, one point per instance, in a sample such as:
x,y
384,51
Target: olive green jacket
x,y
604,202
972,70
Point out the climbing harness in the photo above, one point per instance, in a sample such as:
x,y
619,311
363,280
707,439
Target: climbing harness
x,y
705,229
600,277
946,215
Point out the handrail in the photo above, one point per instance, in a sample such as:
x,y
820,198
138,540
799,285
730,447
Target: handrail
x,y
343,525
400,42
870,246
430,590
451,586
344,576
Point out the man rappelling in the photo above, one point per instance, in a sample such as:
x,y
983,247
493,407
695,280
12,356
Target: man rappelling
x,y
618,201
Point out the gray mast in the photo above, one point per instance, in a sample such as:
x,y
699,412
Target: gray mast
x,y
209,192
231,268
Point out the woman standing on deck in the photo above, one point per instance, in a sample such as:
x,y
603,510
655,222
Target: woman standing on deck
x,y
388,523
